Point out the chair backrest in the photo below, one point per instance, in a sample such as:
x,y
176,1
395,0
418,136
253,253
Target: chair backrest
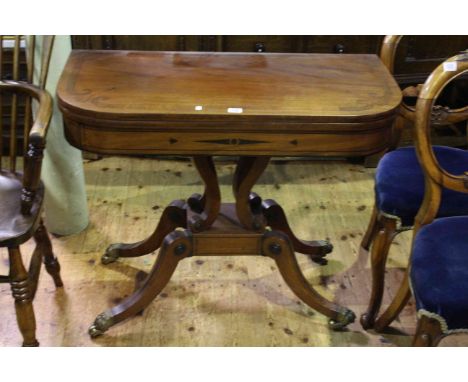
x,y
17,94
388,50
441,115
17,64
437,177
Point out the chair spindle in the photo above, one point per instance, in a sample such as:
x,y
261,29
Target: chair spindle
x,y
28,103
14,105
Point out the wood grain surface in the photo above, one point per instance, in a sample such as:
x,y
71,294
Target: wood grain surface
x,y
144,84
285,104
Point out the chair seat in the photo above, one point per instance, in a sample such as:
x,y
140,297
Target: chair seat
x,y
16,228
439,271
399,183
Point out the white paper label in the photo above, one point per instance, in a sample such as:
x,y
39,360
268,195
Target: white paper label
x,y
237,110
450,66
198,108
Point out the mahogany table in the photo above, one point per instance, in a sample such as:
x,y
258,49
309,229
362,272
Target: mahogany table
x,y
249,105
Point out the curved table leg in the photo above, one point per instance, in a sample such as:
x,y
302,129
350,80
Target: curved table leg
x,y
208,205
277,246
276,219
247,172
173,216
176,246
244,165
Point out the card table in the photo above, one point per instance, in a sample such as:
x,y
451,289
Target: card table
x,y
248,105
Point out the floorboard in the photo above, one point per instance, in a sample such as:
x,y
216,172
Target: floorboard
x,y
215,301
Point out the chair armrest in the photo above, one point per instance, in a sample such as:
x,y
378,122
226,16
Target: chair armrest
x,y
38,131
36,139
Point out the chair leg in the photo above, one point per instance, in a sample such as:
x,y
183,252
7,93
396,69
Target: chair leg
x,y
396,306
428,332
379,254
45,247
20,288
372,229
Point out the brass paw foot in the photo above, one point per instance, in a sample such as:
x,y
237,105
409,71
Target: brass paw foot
x,y
325,248
111,254
100,325
94,332
344,318
318,260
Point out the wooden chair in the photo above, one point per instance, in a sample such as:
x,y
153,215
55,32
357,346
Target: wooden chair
x,y
399,192
21,193
439,264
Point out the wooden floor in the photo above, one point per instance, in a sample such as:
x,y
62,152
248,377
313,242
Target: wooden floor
x,y
216,301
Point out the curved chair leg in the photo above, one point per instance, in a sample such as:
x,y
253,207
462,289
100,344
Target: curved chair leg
x,y
277,246
396,306
173,216
379,254
372,229
428,332
21,291
176,246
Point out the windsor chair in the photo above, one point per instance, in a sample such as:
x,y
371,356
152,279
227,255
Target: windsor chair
x,y
22,138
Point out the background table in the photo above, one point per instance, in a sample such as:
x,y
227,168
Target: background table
x,y
204,104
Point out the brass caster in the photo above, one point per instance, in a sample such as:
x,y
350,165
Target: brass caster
x,y
110,255
100,325
94,332
344,318
327,247
318,260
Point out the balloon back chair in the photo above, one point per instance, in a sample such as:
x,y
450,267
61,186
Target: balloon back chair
x,y
22,137
399,192
439,262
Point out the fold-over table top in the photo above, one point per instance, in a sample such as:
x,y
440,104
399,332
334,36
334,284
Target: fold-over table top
x,y
137,85
211,103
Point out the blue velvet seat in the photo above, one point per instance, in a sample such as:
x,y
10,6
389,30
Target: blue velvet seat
x,y
439,272
399,183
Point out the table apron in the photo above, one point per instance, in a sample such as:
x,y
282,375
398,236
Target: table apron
x,y
329,141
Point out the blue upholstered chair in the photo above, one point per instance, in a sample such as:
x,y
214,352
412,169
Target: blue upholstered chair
x,y
399,193
438,270
439,279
